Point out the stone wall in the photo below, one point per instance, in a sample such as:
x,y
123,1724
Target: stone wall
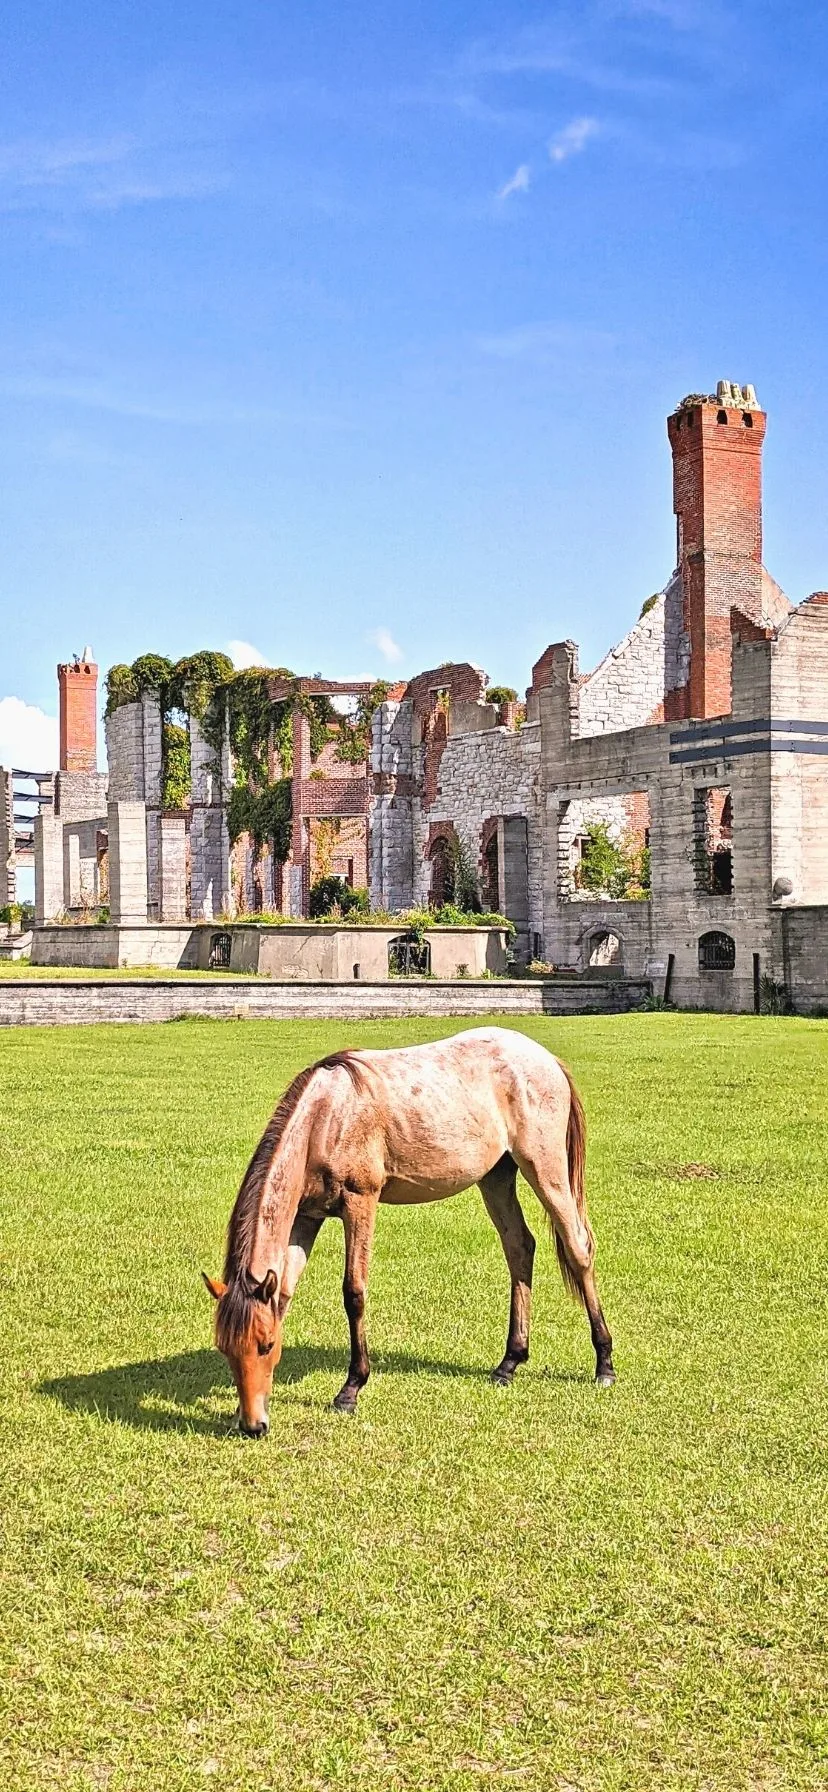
x,y
486,775
799,780
627,688
803,955
80,796
672,765
85,1003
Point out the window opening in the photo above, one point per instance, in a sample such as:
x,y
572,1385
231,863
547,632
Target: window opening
x,y
409,956
605,950
717,952
442,873
220,948
713,841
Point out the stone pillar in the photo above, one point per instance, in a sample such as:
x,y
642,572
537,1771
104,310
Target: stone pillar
x,y
299,881
127,863
153,755
172,867
48,857
8,877
211,888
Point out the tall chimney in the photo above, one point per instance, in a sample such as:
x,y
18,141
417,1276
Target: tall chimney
x,y
717,498
78,692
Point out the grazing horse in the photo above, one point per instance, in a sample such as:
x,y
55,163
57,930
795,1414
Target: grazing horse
x,y
404,1126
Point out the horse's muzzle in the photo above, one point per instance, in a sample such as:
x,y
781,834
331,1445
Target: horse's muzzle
x,y
260,1430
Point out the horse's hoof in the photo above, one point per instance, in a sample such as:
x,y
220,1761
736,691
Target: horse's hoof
x,y
502,1378
345,1403
606,1379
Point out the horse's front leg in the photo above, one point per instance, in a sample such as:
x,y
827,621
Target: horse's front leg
x,y
359,1212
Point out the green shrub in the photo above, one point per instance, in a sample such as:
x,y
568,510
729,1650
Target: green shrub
x,y
332,892
19,915
619,869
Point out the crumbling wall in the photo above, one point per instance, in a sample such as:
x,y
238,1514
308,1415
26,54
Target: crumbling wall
x,y
484,775
627,688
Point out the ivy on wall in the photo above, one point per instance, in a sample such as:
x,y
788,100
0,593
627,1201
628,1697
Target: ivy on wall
x,y
176,774
236,708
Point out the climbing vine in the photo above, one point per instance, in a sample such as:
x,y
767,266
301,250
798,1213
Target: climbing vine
x,y
354,740
265,815
236,708
176,773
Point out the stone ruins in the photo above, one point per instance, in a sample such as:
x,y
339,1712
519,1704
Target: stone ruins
x,y
698,746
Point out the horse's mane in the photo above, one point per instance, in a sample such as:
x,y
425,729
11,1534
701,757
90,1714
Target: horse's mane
x,y
235,1310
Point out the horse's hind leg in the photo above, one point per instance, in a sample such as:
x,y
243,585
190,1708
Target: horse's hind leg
x,y
576,1250
359,1213
499,1191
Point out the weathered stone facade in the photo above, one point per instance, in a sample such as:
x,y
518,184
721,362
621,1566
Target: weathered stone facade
x,y
700,739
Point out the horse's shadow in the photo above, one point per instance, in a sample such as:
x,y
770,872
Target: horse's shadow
x,y
176,1393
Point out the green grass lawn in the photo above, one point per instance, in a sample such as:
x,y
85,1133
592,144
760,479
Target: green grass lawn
x,y
460,1588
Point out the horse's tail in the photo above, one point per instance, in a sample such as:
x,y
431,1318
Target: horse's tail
x,y
576,1162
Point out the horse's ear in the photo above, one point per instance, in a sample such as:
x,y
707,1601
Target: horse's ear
x,y
217,1289
268,1287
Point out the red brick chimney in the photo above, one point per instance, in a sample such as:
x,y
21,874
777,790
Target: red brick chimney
x,y
717,498
78,688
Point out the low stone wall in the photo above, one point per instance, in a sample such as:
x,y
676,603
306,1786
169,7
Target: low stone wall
x,y
40,1003
112,948
294,953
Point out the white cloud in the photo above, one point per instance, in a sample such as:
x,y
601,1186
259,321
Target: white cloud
x,y
572,139
384,640
519,182
28,737
244,656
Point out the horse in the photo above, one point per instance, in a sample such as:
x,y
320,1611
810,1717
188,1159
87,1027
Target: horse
x,y
404,1126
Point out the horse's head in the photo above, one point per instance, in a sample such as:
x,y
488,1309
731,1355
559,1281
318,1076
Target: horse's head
x,y
249,1334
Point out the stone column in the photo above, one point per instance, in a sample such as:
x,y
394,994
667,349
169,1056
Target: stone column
x,y
299,879
172,867
127,863
48,857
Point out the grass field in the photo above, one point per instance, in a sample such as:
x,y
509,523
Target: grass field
x,y
547,1589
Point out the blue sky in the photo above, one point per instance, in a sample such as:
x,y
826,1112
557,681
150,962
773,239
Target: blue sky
x,y
349,331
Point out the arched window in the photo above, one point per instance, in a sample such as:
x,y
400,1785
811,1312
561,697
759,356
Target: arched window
x,y
220,948
408,956
717,952
605,949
